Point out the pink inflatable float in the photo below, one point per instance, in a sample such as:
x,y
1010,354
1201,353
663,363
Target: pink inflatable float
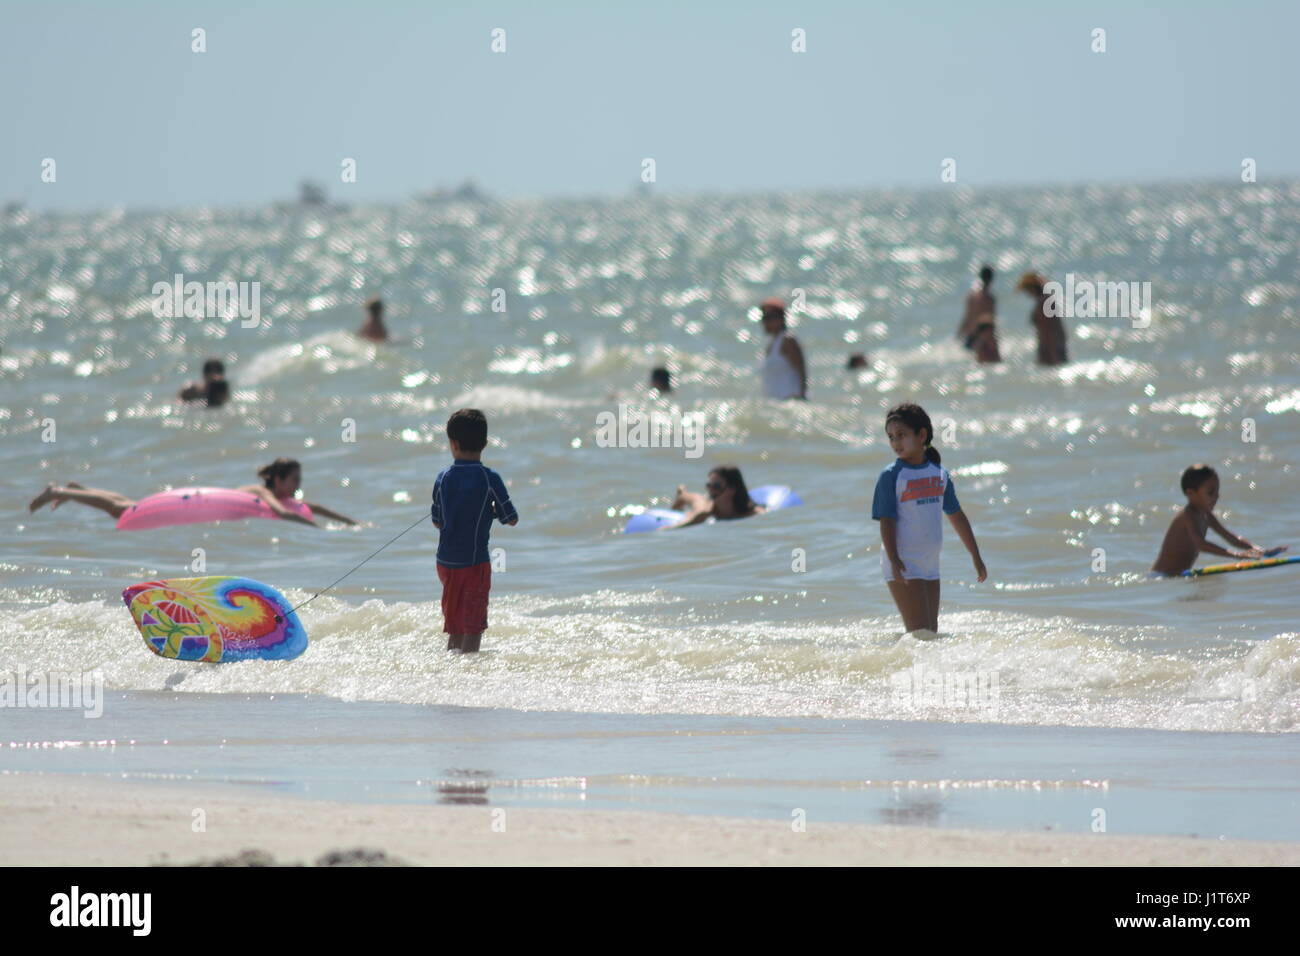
x,y
197,505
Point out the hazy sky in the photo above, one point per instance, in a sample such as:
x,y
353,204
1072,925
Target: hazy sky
x,y
711,91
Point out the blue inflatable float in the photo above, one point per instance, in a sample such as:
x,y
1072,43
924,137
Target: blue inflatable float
x,y
772,497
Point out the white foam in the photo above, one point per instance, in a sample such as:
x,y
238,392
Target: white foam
x,y
614,652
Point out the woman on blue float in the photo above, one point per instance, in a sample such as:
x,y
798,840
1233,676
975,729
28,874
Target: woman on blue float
x,y
280,482
727,498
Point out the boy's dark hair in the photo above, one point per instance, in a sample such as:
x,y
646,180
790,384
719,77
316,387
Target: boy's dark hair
x,y
468,428
278,469
915,418
660,379
1197,475
986,274
218,391
214,366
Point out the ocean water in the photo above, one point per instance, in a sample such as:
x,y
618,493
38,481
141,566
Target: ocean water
x,y
783,616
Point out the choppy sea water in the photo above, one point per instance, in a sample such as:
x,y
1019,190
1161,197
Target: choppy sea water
x,y
1050,464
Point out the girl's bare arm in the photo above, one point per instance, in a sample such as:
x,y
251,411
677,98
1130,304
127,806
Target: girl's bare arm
x,y
962,526
273,503
322,510
889,541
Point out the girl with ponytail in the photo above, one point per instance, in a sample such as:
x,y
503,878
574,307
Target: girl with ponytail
x,y
910,496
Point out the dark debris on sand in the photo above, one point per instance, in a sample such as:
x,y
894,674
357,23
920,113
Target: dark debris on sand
x,y
359,856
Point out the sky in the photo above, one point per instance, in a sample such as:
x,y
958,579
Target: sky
x,y
1013,92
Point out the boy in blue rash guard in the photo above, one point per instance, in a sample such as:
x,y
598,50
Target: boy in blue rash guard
x,y
910,496
466,497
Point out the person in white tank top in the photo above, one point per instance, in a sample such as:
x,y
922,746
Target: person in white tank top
x,y
783,370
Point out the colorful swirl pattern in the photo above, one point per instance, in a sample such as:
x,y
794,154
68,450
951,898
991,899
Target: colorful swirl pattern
x,y
215,619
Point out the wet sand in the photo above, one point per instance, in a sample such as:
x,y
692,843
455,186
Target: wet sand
x,y
58,820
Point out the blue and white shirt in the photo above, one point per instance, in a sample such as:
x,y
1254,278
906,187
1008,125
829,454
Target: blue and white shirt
x,y
466,497
916,497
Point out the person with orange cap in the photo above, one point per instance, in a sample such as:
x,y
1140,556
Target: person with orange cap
x,y
784,373
1050,328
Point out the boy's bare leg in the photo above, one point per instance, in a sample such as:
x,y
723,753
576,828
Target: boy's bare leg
x,y
911,600
109,501
469,642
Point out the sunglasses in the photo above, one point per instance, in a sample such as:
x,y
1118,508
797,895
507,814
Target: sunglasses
x,y
716,486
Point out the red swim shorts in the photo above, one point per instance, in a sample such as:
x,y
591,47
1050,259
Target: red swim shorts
x,y
465,598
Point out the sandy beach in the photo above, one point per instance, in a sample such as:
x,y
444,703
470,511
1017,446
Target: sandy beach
x,y
64,821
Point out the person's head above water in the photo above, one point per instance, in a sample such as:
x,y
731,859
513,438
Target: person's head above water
x,y
986,276
773,311
467,432
1201,485
726,484
282,477
661,380
217,392
373,326
856,360
910,433
1195,476
213,368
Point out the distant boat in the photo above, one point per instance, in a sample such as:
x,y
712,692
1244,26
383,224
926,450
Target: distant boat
x,y
465,192
311,195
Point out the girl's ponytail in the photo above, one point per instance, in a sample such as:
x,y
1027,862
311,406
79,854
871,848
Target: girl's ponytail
x,y
931,454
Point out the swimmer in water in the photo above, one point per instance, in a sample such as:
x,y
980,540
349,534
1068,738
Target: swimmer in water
x,y
373,328
727,498
218,393
1185,539
784,372
1049,328
978,330
212,388
280,482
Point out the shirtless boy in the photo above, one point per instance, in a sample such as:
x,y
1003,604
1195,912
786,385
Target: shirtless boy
x,y
1185,539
